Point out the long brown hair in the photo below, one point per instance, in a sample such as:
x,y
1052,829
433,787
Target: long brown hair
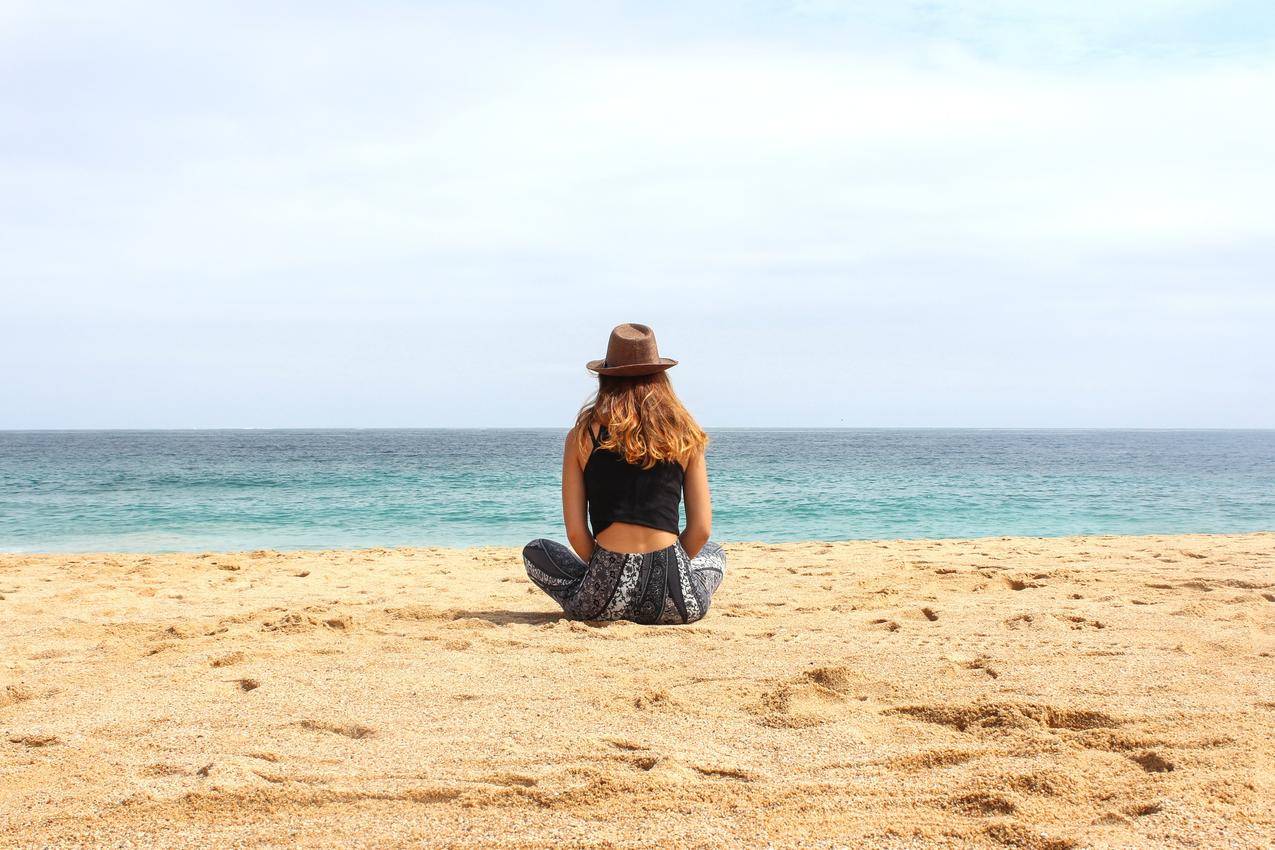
x,y
646,422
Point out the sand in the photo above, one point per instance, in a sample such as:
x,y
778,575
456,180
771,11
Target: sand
x,y
1009,692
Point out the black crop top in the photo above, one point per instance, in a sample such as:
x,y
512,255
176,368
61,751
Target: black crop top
x,y
619,491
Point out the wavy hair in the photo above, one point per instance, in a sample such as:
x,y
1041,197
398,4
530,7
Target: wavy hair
x,y
645,420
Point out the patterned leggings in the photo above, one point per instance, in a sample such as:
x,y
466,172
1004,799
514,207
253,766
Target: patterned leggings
x,y
666,586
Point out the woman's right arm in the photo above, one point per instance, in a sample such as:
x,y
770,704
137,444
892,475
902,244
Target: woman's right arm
x,y
574,503
699,506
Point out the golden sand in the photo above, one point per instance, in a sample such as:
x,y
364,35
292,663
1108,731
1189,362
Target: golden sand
x,y
1081,692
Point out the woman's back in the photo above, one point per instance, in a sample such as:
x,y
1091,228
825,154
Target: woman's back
x,y
631,508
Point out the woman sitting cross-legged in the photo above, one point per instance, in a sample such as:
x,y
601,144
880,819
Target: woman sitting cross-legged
x,y
632,452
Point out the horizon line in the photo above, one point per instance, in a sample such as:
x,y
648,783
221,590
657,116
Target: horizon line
x,y
303,428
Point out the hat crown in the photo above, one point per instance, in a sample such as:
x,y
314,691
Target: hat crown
x,y
631,351
631,344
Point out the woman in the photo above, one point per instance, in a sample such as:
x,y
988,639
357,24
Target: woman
x,y
632,452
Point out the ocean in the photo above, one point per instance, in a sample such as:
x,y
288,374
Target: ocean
x,y
295,489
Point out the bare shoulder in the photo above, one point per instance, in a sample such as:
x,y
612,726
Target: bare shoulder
x,y
574,444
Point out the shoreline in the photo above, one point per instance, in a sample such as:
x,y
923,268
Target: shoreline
x,y
1041,692
487,547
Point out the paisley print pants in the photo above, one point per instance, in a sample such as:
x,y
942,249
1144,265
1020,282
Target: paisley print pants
x,y
666,586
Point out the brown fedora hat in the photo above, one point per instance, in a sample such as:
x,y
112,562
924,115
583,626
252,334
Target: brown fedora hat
x,y
631,350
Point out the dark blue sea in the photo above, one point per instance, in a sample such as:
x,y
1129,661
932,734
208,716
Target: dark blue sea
x,y
234,490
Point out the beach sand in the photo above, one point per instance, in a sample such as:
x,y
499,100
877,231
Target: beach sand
x,y
1008,692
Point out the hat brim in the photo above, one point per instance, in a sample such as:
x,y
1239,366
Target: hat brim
x,y
632,368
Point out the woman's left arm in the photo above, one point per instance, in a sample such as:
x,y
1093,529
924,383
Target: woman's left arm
x,y
574,503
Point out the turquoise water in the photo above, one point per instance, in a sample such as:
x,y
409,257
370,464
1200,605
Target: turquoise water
x,y
196,490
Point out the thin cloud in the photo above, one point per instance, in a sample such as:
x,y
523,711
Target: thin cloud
x,y
948,184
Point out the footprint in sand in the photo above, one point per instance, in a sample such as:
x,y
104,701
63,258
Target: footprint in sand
x,y
355,731
511,780
983,804
421,612
1153,762
999,716
818,696
1078,622
667,770
165,769
1041,783
270,757
14,694
933,759
738,611
308,620
984,664
35,739
1142,810
1010,834
670,769
722,772
654,698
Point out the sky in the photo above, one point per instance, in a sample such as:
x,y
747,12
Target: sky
x,y
983,213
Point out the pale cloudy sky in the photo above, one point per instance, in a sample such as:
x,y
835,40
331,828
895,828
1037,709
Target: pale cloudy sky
x,y
983,213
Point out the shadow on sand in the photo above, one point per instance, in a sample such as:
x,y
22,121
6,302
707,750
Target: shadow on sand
x,y
505,618
532,618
